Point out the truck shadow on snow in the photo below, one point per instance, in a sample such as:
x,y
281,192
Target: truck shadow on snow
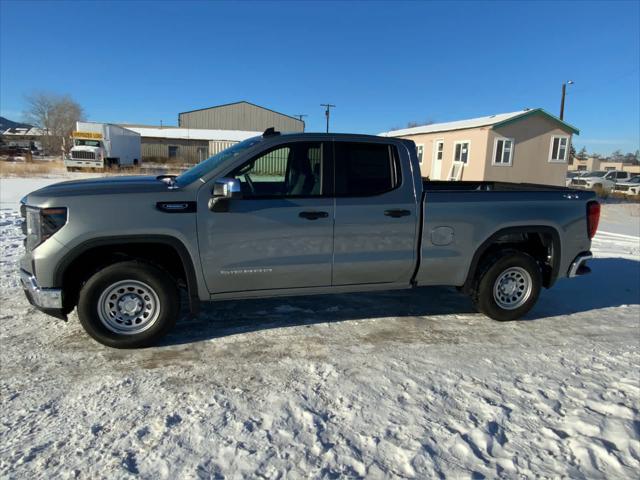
x,y
613,282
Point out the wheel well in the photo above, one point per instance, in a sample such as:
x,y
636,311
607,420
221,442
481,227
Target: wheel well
x,y
93,259
542,243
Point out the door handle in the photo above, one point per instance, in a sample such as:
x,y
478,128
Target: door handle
x,y
397,213
313,215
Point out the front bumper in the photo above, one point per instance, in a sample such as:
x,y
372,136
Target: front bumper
x,y
47,300
68,162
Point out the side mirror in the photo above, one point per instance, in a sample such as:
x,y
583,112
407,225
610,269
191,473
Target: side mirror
x,y
224,189
227,187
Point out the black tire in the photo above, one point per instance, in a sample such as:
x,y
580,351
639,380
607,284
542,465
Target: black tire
x,y
162,287
510,262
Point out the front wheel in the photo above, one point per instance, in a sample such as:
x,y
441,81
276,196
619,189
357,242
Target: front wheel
x,y
129,305
507,286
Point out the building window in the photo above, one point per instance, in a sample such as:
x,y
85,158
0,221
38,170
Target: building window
x,y
173,151
559,149
439,150
503,151
419,151
461,152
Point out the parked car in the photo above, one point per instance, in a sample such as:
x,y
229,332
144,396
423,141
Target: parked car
x,y
294,214
14,153
575,174
628,187
600,180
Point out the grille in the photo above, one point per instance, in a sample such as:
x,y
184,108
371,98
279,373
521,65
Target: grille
x,y
579,182
83,155
621,188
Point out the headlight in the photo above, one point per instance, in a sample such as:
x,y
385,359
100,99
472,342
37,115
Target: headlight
x,y
43,223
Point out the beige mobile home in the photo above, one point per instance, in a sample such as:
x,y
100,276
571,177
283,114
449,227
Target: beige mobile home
x,y
528,146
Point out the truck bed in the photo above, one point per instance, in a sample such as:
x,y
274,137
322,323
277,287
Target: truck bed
x,y
442,185
458,217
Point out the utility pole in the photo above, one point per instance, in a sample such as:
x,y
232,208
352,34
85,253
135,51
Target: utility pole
x,y
327,112
564,93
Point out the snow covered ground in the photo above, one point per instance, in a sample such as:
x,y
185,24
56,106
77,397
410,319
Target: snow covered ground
x,y
401,384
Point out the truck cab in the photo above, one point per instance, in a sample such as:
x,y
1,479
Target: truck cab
x,y
86,152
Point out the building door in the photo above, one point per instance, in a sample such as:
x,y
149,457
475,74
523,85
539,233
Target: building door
x,y
203,153
279,235
436,166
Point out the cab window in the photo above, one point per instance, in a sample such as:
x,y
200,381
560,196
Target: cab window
x,y
290,170
365,169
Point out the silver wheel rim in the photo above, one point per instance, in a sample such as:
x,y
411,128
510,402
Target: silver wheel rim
x,y
128,307
512,288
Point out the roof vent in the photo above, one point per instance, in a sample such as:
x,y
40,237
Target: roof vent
x,y
270,132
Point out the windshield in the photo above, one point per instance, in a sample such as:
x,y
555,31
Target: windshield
x,y
201,169
87,143
598,174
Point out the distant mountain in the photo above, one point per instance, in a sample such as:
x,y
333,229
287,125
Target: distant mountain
x,y
6,123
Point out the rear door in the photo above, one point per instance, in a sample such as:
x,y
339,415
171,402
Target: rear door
x,y
375,218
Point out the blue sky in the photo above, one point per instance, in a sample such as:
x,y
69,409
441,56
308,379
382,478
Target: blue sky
x,y
383,64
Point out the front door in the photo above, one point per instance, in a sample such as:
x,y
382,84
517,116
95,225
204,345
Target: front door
x,y
376,216
279,235
436,167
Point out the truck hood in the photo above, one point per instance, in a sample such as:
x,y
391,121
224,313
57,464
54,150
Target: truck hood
x,y
100,186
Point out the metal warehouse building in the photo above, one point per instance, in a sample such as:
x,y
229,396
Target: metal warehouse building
x,y
239,116
207,131
185,145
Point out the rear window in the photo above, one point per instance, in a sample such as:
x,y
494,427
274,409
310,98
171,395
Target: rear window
x,y
365,169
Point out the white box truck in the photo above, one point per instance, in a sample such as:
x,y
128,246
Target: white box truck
x,y
103,145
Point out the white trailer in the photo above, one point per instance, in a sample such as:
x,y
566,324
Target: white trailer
x,y
103,145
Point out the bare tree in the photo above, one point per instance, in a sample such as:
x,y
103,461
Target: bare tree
x,y
56,115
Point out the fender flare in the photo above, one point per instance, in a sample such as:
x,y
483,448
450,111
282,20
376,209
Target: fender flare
x,y
542,229
177,245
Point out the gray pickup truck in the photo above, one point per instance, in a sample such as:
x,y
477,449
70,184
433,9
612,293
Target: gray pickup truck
x,y
292,214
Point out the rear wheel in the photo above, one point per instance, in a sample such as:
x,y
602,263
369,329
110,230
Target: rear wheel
x,y
129,305
507,286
